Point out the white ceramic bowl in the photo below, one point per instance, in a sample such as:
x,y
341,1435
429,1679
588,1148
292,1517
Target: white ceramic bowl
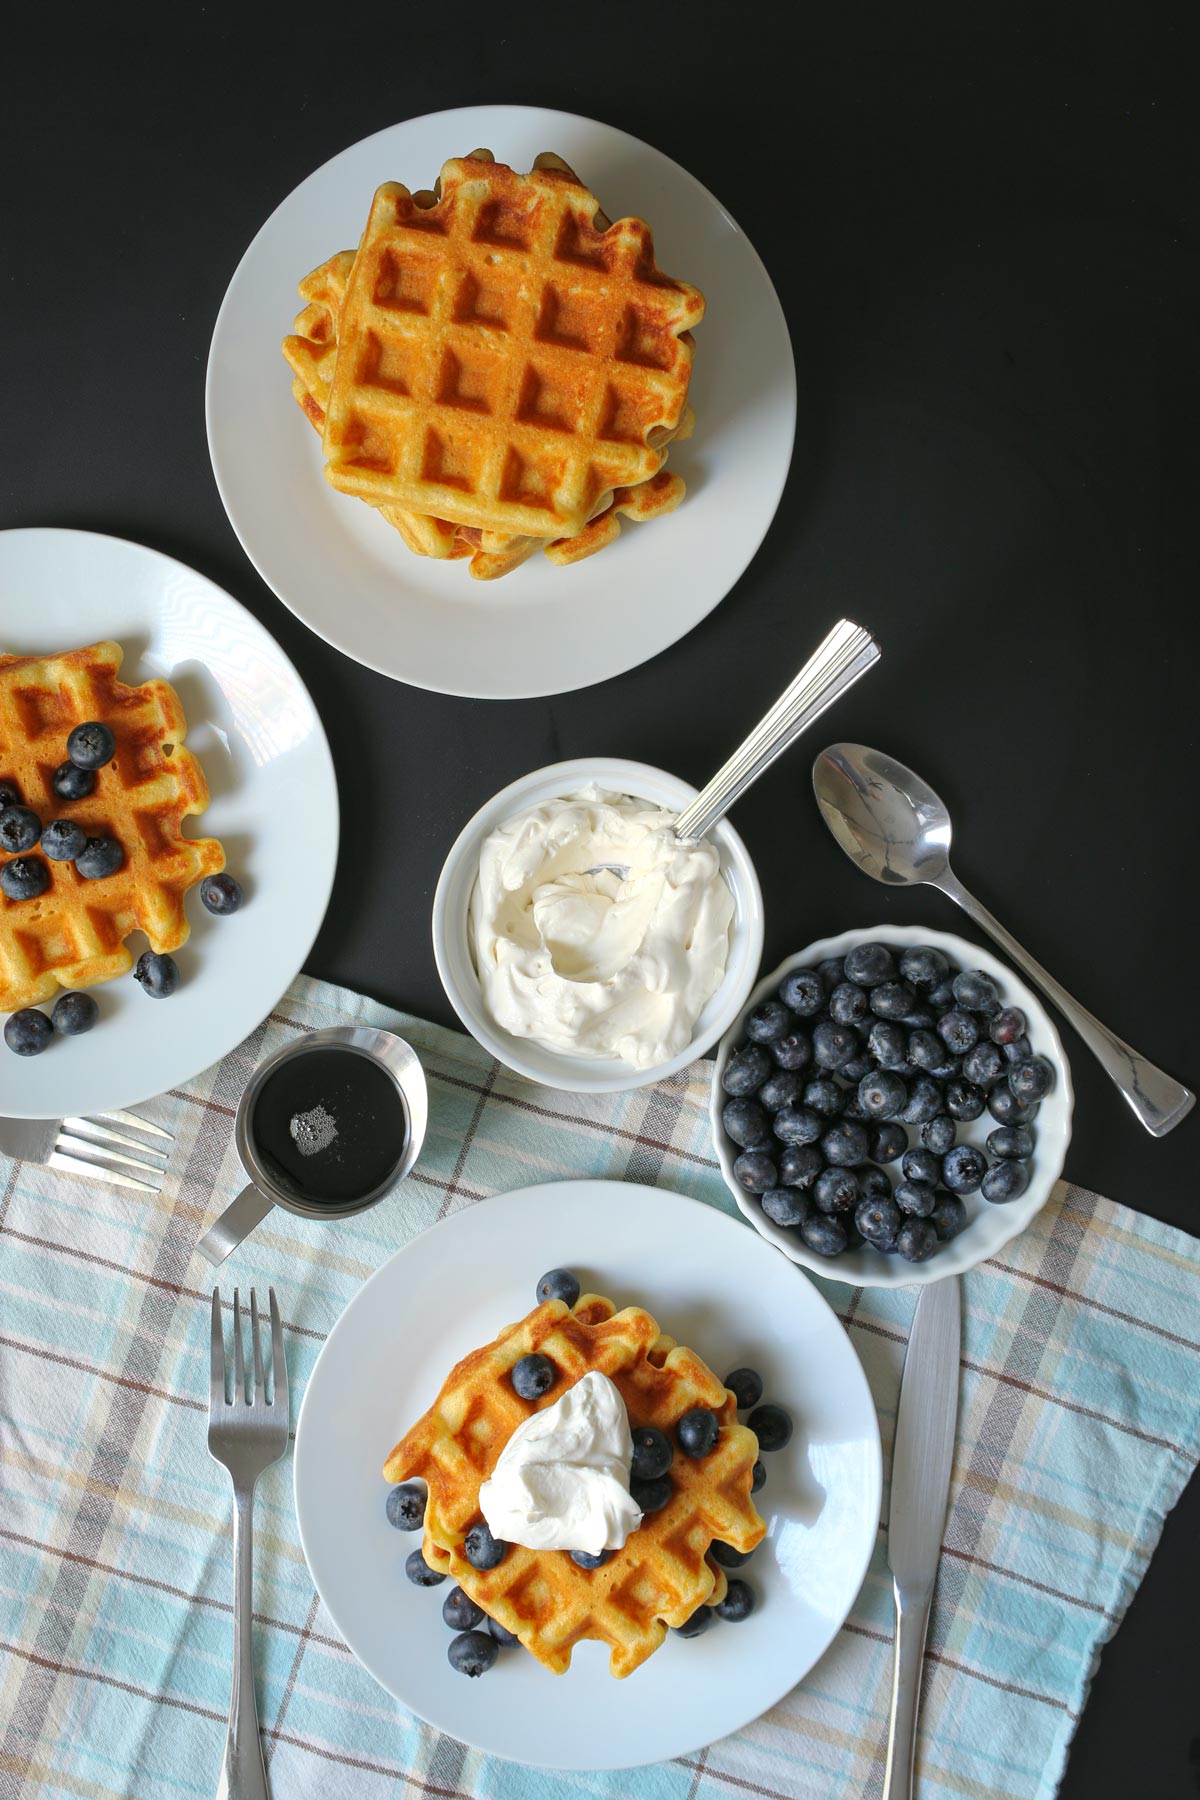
x,y
990,1227
456,962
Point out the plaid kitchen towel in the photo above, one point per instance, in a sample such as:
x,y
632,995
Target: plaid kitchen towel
x,y
1079,1426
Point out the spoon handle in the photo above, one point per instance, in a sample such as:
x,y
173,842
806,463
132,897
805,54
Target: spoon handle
x,y
834,666
1159,1101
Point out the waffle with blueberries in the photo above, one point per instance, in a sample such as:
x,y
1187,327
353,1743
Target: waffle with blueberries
x,y
872,1060
694,1470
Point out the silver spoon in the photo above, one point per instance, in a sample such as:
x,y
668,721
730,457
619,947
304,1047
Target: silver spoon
x,y
893,825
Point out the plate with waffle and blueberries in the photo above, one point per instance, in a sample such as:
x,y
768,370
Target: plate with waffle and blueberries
x,y
156,747
611,1503
513,443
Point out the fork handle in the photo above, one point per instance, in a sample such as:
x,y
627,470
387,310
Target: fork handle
x,y
243,1771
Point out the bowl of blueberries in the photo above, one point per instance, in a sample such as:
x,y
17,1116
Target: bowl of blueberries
x,y
892,1105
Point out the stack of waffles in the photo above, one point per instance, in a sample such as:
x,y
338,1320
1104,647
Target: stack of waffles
x,y
498,368
665,1570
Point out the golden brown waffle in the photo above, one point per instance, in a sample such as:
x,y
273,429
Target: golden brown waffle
x,y
502,363
74,934
664,1571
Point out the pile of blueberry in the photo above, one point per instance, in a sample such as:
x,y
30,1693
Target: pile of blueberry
x,y
843,1062
24,877
474,1650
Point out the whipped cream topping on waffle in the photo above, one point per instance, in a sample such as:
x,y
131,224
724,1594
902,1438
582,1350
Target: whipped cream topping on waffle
x,y
592,961
562,1481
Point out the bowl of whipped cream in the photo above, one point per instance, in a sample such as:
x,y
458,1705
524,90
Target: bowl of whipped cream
x,y
581,942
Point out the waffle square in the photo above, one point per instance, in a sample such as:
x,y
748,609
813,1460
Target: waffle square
x,y
502,362
74,934
664,1571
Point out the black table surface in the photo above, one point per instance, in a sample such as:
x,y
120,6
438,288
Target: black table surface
x,y
982,225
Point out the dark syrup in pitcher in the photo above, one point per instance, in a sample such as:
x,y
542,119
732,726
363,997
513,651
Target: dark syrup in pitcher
x,y
330,1125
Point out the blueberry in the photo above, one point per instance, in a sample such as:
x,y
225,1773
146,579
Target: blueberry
x,y
419,1571
99,857
893,1000
1006,1025
823,1235
158,975
481,1549
24,878
460,1611
854,1108
845,1143
10,794
976,992
746,1070
62,840
533,1376
825,1097
27,1033
697,1432
883,1095
74,1014
746,1386
958,1030
879,1221
758,1476
887,1143
793,1051
921,1166
803,991
20,829
738,1603
651,1496
921,1018
915,1198
1018,1051
923,966
855,1069
1004,1181
1009,1142
473,1652
558,1284
833,1044
887,1044
849,1004
652,1453
746,1122
869,964
964,1100
699,1623
1032,1080
948,1217
873,1184
92,745
984,1064
947,1070
755,1171
728,1557
799,1166
769,1020
925,1051
924,1101
406,1507
784,1088
835,1191
503,1636
798,1125
963,1168
938,1134
591,1559
1005,1107
771,1425
221,894
70,783
916,1240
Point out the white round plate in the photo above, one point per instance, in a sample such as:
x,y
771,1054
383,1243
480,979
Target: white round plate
x,y
274,807
541,630
989,1227
714,1286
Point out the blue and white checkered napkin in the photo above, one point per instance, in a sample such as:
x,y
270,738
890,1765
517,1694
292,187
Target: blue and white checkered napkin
x,y
1079,1425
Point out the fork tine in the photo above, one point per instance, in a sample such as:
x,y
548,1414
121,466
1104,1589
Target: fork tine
x,y
216,1389
128,1118
90,1131
239,1367
75,1165
103,1156
259,1391
279,1374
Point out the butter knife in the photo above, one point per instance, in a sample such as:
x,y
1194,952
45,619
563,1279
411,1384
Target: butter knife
x,y
921,1462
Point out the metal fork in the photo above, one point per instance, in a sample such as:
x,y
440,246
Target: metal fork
x,y
246,1434
90,1147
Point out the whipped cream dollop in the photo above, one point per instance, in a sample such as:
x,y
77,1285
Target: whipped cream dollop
x,y
562,1481
588,961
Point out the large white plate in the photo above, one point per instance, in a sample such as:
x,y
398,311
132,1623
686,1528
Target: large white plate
x,y
540,630
713,1285
274,807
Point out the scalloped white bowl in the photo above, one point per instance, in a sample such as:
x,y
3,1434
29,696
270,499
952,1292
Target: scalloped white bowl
x,y
989,1227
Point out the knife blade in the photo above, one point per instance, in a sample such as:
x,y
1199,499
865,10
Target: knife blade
x,y
921,1462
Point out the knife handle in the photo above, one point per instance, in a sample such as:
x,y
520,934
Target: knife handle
x,y
912,1623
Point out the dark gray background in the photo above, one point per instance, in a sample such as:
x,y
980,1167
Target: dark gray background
x,y
983,229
